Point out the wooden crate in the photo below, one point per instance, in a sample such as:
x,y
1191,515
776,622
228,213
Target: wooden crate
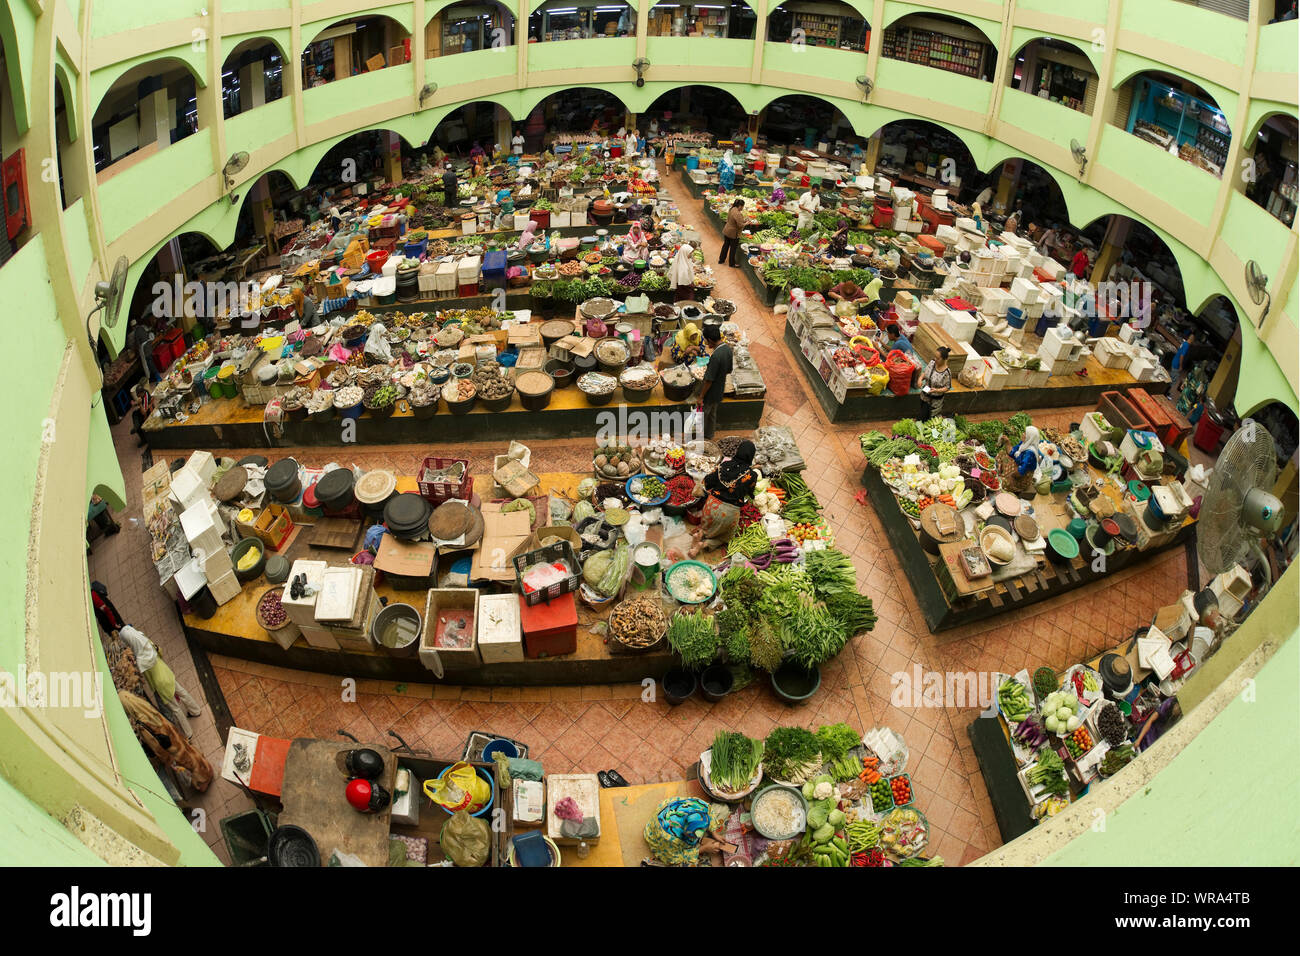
x,y
440,659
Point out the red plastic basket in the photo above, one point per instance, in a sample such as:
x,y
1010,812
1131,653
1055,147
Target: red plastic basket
x,y
440,491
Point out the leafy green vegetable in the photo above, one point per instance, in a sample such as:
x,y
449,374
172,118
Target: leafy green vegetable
x,y
836,740
691,634
735,759
907,428
789,749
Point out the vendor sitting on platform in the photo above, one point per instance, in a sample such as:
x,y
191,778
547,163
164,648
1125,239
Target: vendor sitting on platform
x,y
636,245
850,291
839,247
727,490
686,345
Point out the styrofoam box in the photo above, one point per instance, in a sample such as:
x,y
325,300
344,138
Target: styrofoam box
x,y
932,310
200,527
203,465
1053,268
1035,379
499,636
321,637
960,325
1059,342
225,588
947,234
1142,369
560,220
188,489
1025,290
1234,581
302,610
217,564
997,376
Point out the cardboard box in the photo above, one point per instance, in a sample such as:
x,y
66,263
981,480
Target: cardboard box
x,y
441,659
225,588
504,536
407,565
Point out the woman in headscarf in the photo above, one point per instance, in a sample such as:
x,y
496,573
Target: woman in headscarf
x,y
476,152
636,245
840,240
727,172
527,237
681,272
105,612
680,830
726,490
166,743
686,344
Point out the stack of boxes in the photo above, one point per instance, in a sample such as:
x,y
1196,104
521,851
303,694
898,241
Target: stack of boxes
x,y
1061,353
302,610
202,525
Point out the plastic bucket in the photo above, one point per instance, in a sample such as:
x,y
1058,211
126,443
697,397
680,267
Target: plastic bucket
x,y
793,684
482,773
499,746
678,685
716,682
1016,318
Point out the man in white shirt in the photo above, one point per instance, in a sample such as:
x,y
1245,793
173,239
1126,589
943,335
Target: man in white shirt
x,y
985,197
809,203
517,144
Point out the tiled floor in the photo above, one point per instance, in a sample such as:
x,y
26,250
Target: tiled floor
x,y
594,728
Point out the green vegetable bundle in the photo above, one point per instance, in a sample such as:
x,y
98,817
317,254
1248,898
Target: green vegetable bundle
x,y
753,540
836,740
735,759
691,634
907,428
789,751
1049,773
801,508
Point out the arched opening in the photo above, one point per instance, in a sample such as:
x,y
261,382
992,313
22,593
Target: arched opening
x,y
1055,70
1018,185
158,302
357,158
804,120
458,131
942,42
571,113
468,26
72,180
1175,114
1270,177
825,24
357,45
925,156
695,108
252,76
735,21
580,20
147,108
273,212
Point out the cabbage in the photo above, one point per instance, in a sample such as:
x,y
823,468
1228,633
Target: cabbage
x,y
587,487
1072,724
1063,714
1052,724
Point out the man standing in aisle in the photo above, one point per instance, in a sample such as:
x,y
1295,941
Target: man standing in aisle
x,y
715,377
450,188
809,203
1181,364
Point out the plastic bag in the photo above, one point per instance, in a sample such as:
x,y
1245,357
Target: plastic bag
x,y
973,374
377,343
466,840
460,788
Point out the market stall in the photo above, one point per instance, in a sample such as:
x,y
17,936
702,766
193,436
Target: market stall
x,y
630,570
989,516
885,276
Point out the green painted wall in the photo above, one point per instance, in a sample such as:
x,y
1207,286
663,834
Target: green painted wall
x,y
1050,120
581,54
843,66
1277,48
33,838
1196,812
963,92
1185,25
685,51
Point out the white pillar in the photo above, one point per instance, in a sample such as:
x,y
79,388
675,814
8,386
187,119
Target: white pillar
x,y
252,86
155,119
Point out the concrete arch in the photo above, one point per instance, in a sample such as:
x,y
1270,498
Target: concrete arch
x,y
126,69
913,11
1092,57
254,42
863,8
977,144
310,32
69,100
431,10
1257,123
14,55
531,98
1208,96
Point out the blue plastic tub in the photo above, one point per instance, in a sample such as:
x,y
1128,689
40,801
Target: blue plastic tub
x,y
1016,318
1097,328
491,787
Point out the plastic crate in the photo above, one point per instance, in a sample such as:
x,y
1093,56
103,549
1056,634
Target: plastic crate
x,y
559,551
911,787
444,490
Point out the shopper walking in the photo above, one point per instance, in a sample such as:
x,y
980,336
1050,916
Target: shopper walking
x,y
736,221
141,409
936,382
450,188
1181,364
167,743
715,377
1079,264
105,613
